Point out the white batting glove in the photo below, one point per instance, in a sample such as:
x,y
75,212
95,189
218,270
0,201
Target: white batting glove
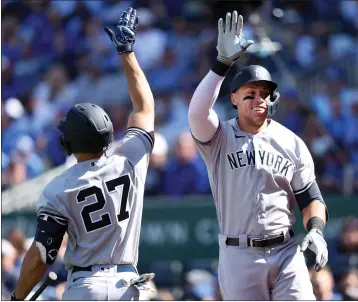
x,y
315,242
231,44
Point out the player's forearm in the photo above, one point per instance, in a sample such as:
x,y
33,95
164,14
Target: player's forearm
x,y
138,86
32,271
202,118
315,208
206,94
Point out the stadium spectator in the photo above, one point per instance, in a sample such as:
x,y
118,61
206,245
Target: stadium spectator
x,y
118,114
10,40
318,141
348,285
343,250
295,111
14,126
10,85
149,35
337,124
168,74
17,238
184,173
201,285
48,144
182,33
323,285
170,119
25,155
8,275
5,176
158,159
352,140
97,87
53,94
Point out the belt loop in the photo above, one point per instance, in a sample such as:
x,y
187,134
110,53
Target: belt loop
x,y
222,241
243,240
288,235
70,273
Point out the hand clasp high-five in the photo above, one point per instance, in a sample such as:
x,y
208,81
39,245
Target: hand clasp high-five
x,y
231,44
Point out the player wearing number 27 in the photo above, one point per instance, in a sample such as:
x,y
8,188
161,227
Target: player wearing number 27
x,y
258,170
99,200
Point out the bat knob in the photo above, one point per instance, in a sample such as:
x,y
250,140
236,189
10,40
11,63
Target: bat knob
x,y
52,276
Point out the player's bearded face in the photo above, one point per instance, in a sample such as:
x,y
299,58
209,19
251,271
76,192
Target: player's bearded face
x,y
252,101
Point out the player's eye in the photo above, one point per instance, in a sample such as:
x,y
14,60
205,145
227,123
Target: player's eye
x,y
265,94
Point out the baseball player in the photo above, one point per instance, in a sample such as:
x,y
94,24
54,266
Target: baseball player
x,y
258,170
99,200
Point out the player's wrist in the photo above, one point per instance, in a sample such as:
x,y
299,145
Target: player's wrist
x,y
221,68
317,223
13,297
124,48
224,60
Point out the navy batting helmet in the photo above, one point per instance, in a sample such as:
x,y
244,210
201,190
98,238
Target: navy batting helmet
x,y
86,129
255,73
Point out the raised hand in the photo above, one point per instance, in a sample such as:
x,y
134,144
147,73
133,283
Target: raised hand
x,y
231,44
123,36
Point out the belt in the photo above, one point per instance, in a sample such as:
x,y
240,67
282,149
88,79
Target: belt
x,y
120,268
261,242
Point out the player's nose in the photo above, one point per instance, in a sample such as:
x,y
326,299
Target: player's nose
x,y
258,100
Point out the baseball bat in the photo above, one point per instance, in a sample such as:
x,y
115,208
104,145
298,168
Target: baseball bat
x,y
50,277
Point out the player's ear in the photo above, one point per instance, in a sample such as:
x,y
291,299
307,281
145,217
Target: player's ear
x,y
234,99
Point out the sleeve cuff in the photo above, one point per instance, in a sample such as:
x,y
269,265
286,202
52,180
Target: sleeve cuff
x,y
208,143
143,133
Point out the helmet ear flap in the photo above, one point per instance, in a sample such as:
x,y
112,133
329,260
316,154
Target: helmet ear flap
x,y
65,145
275,97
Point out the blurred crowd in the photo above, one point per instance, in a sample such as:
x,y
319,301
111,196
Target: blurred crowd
x,y
56,54
196,279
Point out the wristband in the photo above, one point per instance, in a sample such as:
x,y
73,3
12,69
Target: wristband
x,y
315,223
220,68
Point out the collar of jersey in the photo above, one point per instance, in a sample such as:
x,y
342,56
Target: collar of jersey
x,y
95,160
239,131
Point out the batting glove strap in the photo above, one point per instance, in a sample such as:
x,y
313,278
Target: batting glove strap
x,y
220,68
125,48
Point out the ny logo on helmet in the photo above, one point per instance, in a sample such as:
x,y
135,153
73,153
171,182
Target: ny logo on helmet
x,y
260,73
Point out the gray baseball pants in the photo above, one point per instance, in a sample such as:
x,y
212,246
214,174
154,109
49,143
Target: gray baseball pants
x,y
275,273
104,282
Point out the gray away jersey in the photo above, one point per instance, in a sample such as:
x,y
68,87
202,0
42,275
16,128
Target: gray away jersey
x,y
254,178
101,202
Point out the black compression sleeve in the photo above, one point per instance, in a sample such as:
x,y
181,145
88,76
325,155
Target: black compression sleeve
x,y
307,196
